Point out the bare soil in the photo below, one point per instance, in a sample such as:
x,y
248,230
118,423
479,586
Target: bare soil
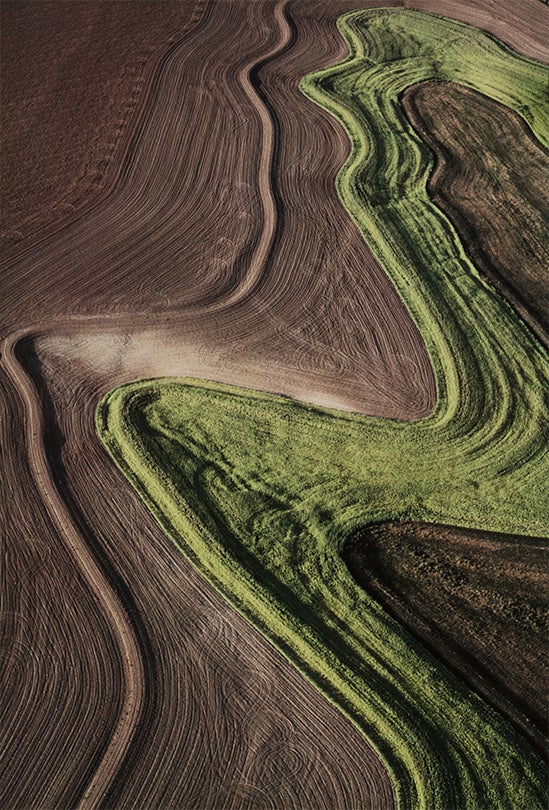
x,y
198,709
173,694
72,80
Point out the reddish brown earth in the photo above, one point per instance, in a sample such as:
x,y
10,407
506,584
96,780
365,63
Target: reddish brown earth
x,y
196,231
477,600
67,108
491,180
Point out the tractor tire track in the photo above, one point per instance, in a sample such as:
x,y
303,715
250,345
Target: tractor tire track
x,y
131,674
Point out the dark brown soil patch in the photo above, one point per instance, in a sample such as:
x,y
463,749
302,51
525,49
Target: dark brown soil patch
x,y
477,600
491,179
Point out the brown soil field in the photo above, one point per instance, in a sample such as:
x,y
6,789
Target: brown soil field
x,y
180,219
195,709
65,116
201,243
477,600
491,180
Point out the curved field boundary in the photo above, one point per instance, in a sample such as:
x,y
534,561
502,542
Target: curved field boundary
x,y
260,492
384,182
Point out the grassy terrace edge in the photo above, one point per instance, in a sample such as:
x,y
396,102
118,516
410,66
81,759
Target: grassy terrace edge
x,y
260,492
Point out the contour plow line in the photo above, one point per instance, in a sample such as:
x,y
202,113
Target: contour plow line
x,y
263,247
107,600
260,492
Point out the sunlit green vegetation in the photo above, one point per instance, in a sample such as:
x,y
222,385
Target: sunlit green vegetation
x,y
260,492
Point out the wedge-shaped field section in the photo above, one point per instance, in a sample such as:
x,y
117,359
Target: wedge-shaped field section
x,y
260,492
476,599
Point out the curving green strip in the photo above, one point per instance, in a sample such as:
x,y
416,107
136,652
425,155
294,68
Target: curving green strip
x,y
260,492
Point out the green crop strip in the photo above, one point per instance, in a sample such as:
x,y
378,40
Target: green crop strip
x,y
260,492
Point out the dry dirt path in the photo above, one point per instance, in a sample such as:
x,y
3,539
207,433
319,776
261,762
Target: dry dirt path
x,y
104,600
117,649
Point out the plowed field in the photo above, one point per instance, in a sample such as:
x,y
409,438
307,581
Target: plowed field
x,y
170,208
491,180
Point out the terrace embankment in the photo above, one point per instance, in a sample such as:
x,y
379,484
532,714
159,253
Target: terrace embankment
x,y
491,180
476,599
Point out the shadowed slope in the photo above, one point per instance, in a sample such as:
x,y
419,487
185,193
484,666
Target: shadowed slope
x,y
61,666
